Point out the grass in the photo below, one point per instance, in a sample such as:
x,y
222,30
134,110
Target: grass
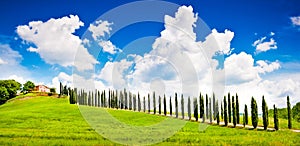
x,y
53,121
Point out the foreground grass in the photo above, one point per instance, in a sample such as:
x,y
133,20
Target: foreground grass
x,y
52,121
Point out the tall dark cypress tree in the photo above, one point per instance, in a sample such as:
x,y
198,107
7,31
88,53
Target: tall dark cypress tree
x,y
222,111
196,109
210,111
130,101
254,113
265,113
134,102
170,106
126,99
246,114
214,107
182,106
189,108
206,103
276,123
144,104
159,105
225,112
201,100
229,108
154,103
148,103
233,112
165,105
289,113
217,110
139,102
237,109
176,105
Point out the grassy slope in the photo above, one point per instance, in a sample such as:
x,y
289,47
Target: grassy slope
x,y
52,121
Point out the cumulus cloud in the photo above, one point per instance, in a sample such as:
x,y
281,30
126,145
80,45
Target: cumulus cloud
x,y
109,47
100,28
2,61
55,38
295,20
263,46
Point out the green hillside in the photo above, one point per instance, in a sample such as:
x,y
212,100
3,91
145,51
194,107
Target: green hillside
x,y
38,120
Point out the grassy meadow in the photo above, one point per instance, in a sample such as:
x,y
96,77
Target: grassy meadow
x,y
43,120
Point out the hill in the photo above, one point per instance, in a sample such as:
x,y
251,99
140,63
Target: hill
x,y
42,120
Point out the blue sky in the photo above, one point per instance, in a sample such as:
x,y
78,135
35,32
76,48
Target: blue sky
x,y
275,58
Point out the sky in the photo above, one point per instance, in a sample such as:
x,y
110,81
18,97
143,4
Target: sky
x,y
246,47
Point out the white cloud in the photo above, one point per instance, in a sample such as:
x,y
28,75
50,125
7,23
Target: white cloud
x,y
54,38
108,47
264,67
272,33
2,61
295,20
263,46
100,29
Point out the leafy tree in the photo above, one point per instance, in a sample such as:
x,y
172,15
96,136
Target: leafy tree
x,y
229,108
170,106
28,87
276,123
296,112
196,109
206,103
154,103
246,114
52,90
4,96
189,108
237,109
11,86
265,113
289,113
233,112
159,105
165,105
225,112
176,105
182,106
254,113
66,92
201,100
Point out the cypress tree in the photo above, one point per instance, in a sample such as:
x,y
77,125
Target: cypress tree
x,y
176,105
254,113
265,113
165,105
217,115
139,102
189,108
134,102
233,112
144,104
206,103
182,106
201,105
130,100
126,99
170,106
148,103
154,103
214,107
276,124
289,113
225,112
222,111
196,109
159,105
210,111
237,109
122,100
229,108
246,114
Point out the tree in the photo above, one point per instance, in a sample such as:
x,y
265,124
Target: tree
x,y
130,100
254,113
214,107
11,86
189,108
289,113
196,109
159,105
237,109
225,112
134,102
4,96
246,114
206,103
176,105
148,103
276,123
182,106
28,87
154,103
233,112
210,111
144,104
229,108
165,105
139,102
265,113
66,92
296,112
201,100
217,110
170,106
61,89
222,111
126,99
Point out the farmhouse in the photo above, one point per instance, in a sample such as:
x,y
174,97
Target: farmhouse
x,y
42,88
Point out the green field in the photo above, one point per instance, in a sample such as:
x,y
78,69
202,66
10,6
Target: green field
x,y
53,121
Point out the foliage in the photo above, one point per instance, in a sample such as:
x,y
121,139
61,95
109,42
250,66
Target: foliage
x,y
222,111
154,103
210,111
229,108
189,108
206,103
148,103
165,105
265,113
170,106
296,112
276,123
195,109
289,112
246,114
28,86
182,106
233,112
176,105
214,107
201,100
159,105
225,112
237,109
254,113
8,90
